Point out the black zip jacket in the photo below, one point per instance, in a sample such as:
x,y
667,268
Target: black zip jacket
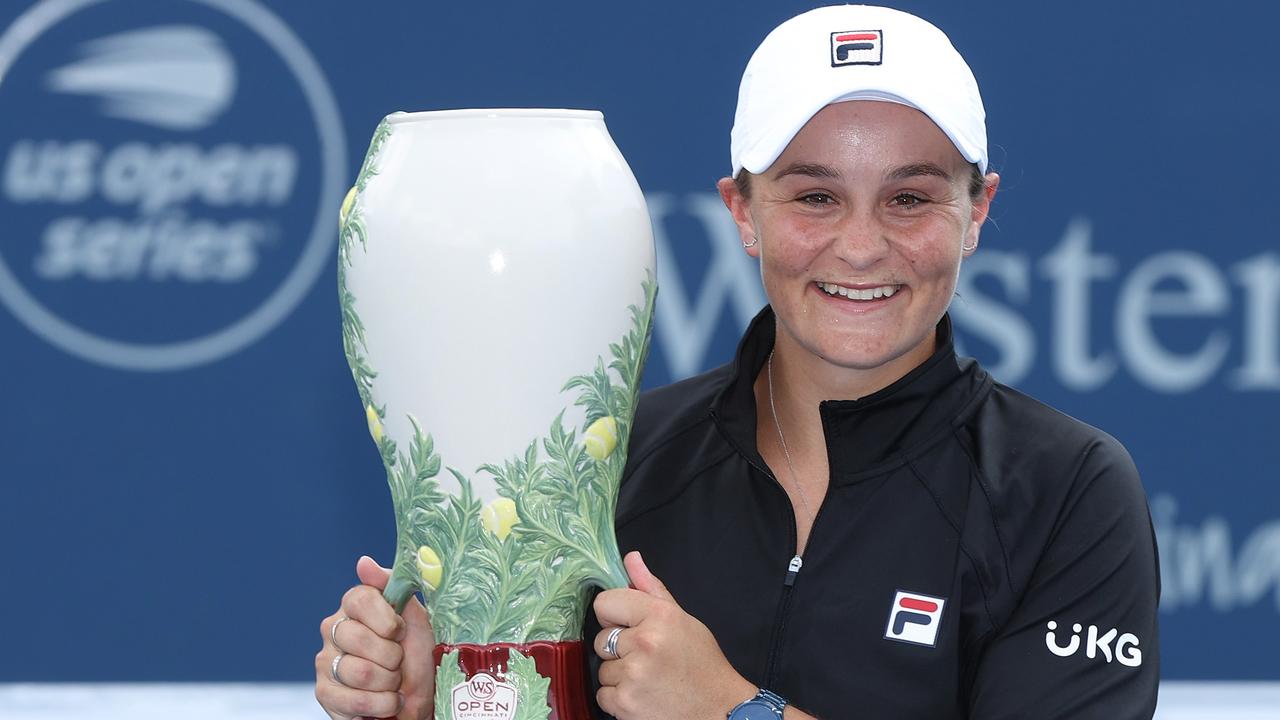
x,y
977,555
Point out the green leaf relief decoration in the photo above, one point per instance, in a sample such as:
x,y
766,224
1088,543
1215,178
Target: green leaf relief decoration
x,y
519,567
531,688
448,675
351,229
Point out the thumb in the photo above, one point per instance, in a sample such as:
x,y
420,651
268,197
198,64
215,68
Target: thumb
x,y
371,573
642,579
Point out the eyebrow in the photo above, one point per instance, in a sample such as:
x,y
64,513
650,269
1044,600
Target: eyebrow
x,y
903,172
916,170
808,170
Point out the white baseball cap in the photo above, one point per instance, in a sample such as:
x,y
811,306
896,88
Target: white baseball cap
x,y
853,52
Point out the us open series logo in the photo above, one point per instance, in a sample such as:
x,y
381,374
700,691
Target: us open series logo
x,y
168,177
915,618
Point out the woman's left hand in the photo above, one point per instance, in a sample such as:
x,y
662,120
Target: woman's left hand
x,y
668,665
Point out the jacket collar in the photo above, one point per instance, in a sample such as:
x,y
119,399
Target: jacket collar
x,y
862,435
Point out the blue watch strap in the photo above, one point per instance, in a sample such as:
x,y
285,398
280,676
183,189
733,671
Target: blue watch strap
x,y
766,705
772,699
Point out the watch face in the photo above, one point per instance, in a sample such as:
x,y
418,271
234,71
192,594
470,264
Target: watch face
x,y
753,710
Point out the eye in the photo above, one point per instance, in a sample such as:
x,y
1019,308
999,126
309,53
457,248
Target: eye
x,y
907,200
816,198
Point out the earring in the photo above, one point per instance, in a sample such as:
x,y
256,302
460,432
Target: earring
x,y
968,248
753,242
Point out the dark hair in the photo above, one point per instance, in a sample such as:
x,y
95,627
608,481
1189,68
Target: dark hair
x,y
977,183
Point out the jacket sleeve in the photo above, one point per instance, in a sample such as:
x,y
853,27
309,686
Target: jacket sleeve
x,y
1082,641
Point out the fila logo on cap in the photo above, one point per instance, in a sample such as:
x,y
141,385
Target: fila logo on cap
x,y
857,47
915,618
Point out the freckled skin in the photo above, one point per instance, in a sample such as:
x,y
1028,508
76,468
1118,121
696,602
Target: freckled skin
x,y
867,226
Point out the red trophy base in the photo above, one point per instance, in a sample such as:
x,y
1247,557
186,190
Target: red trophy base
x,y
562,662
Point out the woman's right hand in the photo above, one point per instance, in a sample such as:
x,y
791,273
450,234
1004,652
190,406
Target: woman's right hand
x,y
386,670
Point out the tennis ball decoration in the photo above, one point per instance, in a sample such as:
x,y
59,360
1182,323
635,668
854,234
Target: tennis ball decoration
x,y
375,424
429,568
347,202
498,517
601,438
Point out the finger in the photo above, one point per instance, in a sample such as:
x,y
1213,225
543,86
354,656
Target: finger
x,y
601,643
417,623
371,573
610,700
352,703
365,604
358,673
624,606
356,639
611,673
642,579
415,616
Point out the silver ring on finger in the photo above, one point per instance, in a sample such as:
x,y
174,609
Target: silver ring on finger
x,y
611,643
333,669
333,632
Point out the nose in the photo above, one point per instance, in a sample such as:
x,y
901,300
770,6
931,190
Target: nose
x,y
860,239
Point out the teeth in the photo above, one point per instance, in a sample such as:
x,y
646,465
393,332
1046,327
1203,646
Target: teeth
x,y
883,291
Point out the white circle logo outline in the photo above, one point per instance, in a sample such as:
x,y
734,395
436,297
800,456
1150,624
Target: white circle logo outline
x,y
286,297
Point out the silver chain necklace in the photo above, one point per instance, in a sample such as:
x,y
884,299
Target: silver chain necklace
x,y
795,479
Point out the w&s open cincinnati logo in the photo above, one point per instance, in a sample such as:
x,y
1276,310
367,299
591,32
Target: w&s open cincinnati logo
x,y
168,177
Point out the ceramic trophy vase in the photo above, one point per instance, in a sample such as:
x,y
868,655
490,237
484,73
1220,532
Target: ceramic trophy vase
x,y
496,281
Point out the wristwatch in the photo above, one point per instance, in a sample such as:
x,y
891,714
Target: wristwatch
x,y
764,706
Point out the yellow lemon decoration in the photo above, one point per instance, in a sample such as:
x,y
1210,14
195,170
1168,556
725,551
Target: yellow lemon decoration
x,y
498,517
375,424
601,438
347,202
429,568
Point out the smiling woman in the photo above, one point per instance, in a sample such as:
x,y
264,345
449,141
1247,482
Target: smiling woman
x,y
850,519
860,225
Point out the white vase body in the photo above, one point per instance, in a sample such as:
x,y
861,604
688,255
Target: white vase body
x,y
496,279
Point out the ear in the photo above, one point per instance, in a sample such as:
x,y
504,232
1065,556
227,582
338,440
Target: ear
x,y
981,209
740,209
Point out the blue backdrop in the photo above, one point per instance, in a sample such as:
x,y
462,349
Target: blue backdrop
x,y
185,475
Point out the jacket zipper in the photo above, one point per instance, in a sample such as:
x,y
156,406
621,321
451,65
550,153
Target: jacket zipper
x,y
784,605
793,569
780,624
792,566
789,580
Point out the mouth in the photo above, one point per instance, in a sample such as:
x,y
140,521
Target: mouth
x,y
859,294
